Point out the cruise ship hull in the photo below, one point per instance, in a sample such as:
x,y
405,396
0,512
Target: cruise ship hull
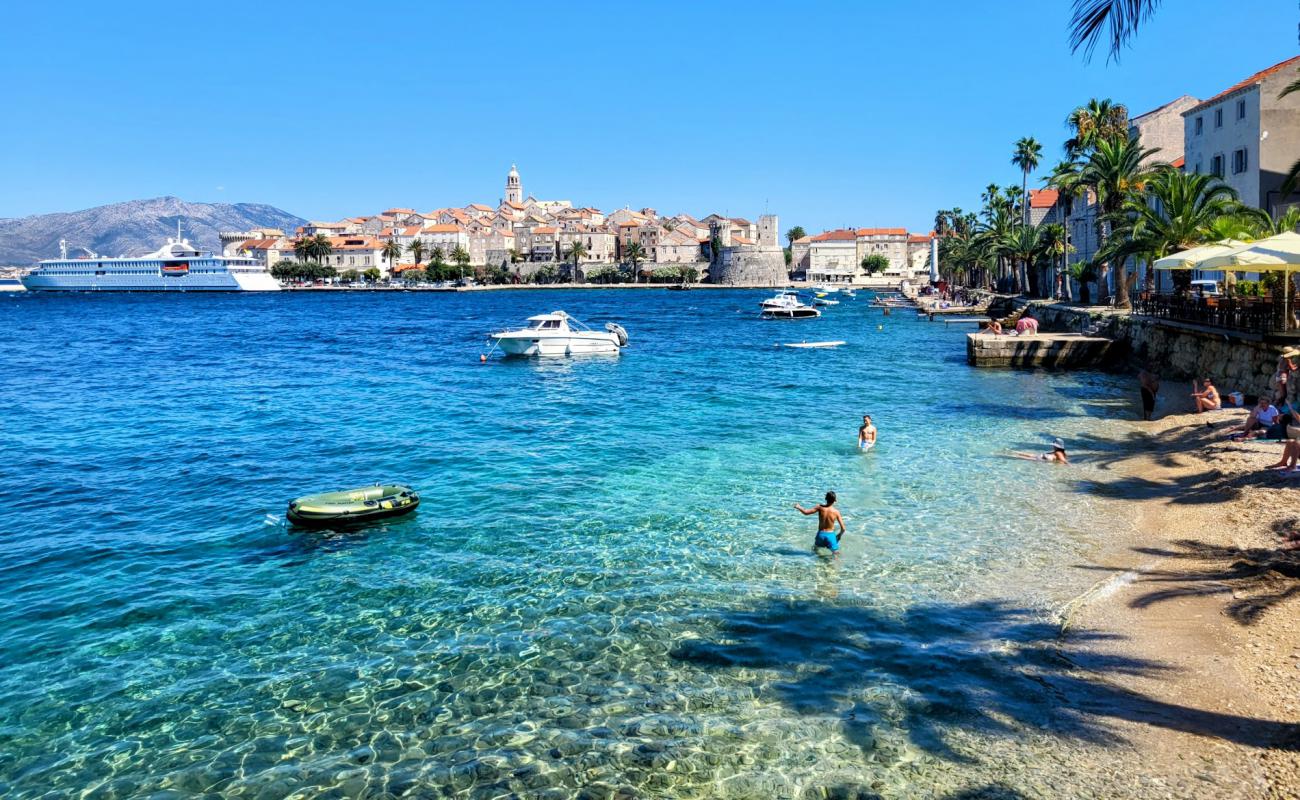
x,y
227,282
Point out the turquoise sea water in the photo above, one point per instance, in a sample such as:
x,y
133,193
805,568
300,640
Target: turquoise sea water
x,y
605,591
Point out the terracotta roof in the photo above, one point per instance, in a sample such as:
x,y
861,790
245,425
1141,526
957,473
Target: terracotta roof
x,y
740,240
392,212
480,207
835,236
356,243
741,221
1251,81
513,204
260,244
1043,198
544,230
443,228
805,240
1179,163
917,238
882,231
629,224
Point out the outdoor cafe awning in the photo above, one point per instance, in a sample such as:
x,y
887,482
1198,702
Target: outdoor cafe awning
x,y
1280,253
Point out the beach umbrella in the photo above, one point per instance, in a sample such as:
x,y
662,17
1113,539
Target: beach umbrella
x,y
1193,258
1280,253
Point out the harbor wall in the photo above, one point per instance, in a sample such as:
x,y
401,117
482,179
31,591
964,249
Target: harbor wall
x,y
1173,350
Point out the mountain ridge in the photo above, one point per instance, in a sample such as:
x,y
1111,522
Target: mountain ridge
x,y
132,227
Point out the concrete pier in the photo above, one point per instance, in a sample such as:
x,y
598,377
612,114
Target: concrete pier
x,y
1062,350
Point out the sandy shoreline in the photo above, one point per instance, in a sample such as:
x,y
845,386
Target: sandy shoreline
x,y
1202,600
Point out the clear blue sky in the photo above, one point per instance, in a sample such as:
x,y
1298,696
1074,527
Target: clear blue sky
x,y
864,114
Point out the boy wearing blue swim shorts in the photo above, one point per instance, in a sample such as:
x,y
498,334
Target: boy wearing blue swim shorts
x,y
827,518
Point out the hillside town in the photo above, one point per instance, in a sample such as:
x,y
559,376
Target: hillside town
x,y
523,239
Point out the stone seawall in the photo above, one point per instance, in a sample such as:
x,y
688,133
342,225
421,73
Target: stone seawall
x,y
1173,350
753,266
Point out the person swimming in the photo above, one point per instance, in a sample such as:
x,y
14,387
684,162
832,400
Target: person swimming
x,y
1056,456
866,434
827,518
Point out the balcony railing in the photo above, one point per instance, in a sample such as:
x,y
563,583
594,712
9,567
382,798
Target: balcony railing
x,y
1257,315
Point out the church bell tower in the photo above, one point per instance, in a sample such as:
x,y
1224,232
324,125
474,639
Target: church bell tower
x,y
514,191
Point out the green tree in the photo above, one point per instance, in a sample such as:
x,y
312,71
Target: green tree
x,y
515,255
1065,180
874,263
1116,171
1027,154
574,253
460,258
437,269
545,274
414,275
1055,246
284,271
1093,122
797,232
392,251
373,274
416,251
349,276
1023,245
634,253
689,274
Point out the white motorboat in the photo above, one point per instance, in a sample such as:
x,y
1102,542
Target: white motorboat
x,y
787,305
558,334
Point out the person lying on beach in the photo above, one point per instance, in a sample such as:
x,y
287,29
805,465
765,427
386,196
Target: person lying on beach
x,y
1057,456
827,518
1262,416
1207,399
866,434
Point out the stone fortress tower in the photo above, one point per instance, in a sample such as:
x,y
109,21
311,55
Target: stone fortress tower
x,y
514,189
761,263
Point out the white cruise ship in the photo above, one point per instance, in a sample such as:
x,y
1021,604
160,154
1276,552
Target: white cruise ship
x,y
176,267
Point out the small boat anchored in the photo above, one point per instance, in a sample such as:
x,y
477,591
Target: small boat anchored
x,y
352,506
787,305
558,334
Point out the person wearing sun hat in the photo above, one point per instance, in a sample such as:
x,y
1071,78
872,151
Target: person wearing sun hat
x,y
1288,380
1057,456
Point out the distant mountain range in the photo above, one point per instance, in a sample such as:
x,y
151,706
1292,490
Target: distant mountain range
x,y
132,228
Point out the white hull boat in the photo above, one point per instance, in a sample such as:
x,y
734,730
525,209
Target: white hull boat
x,y
787,305
558,334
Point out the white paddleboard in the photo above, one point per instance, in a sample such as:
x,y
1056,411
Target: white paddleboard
x,y
812,344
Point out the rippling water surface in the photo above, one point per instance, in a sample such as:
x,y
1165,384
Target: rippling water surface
x,y
605,592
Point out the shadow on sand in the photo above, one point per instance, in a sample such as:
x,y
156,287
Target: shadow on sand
x,y
986,666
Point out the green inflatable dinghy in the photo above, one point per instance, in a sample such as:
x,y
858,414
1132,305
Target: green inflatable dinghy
x,y
352,506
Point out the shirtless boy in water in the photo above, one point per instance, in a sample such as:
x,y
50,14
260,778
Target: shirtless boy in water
x,y
866,434
827,518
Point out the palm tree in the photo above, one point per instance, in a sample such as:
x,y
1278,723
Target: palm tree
x,y
416,249
1065,180
1093,122
392,251
576,251
1023,245
1054,244
1115,171
461,259
1027,154
1119,19
797,232
634,253
1176,211
515,255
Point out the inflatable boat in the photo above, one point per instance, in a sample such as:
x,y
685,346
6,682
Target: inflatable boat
x,y
352,506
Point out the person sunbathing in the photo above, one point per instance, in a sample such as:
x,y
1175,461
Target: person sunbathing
x,y
1057,456
1207,399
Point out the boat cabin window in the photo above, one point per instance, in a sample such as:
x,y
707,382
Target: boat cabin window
x,y
544,324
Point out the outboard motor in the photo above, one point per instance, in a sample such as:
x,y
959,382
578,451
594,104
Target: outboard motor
x,y
618,332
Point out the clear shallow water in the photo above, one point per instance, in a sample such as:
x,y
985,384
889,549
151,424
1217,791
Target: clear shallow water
x,y
604,590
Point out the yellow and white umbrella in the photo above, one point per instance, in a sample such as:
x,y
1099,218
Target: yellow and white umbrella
x,y
1193,258
1280,253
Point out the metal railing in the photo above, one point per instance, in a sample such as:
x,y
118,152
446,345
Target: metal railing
x,y
1249,315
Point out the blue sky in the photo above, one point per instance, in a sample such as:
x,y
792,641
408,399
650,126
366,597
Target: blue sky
x,y
828,114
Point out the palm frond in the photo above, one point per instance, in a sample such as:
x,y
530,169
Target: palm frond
x,y
1115,20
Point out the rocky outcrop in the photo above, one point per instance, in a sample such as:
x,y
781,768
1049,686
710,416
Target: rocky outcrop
x,y
132,228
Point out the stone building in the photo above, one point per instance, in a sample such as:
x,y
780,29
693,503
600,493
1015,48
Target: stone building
x,y
833,257
888,242
1248,136
737,260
